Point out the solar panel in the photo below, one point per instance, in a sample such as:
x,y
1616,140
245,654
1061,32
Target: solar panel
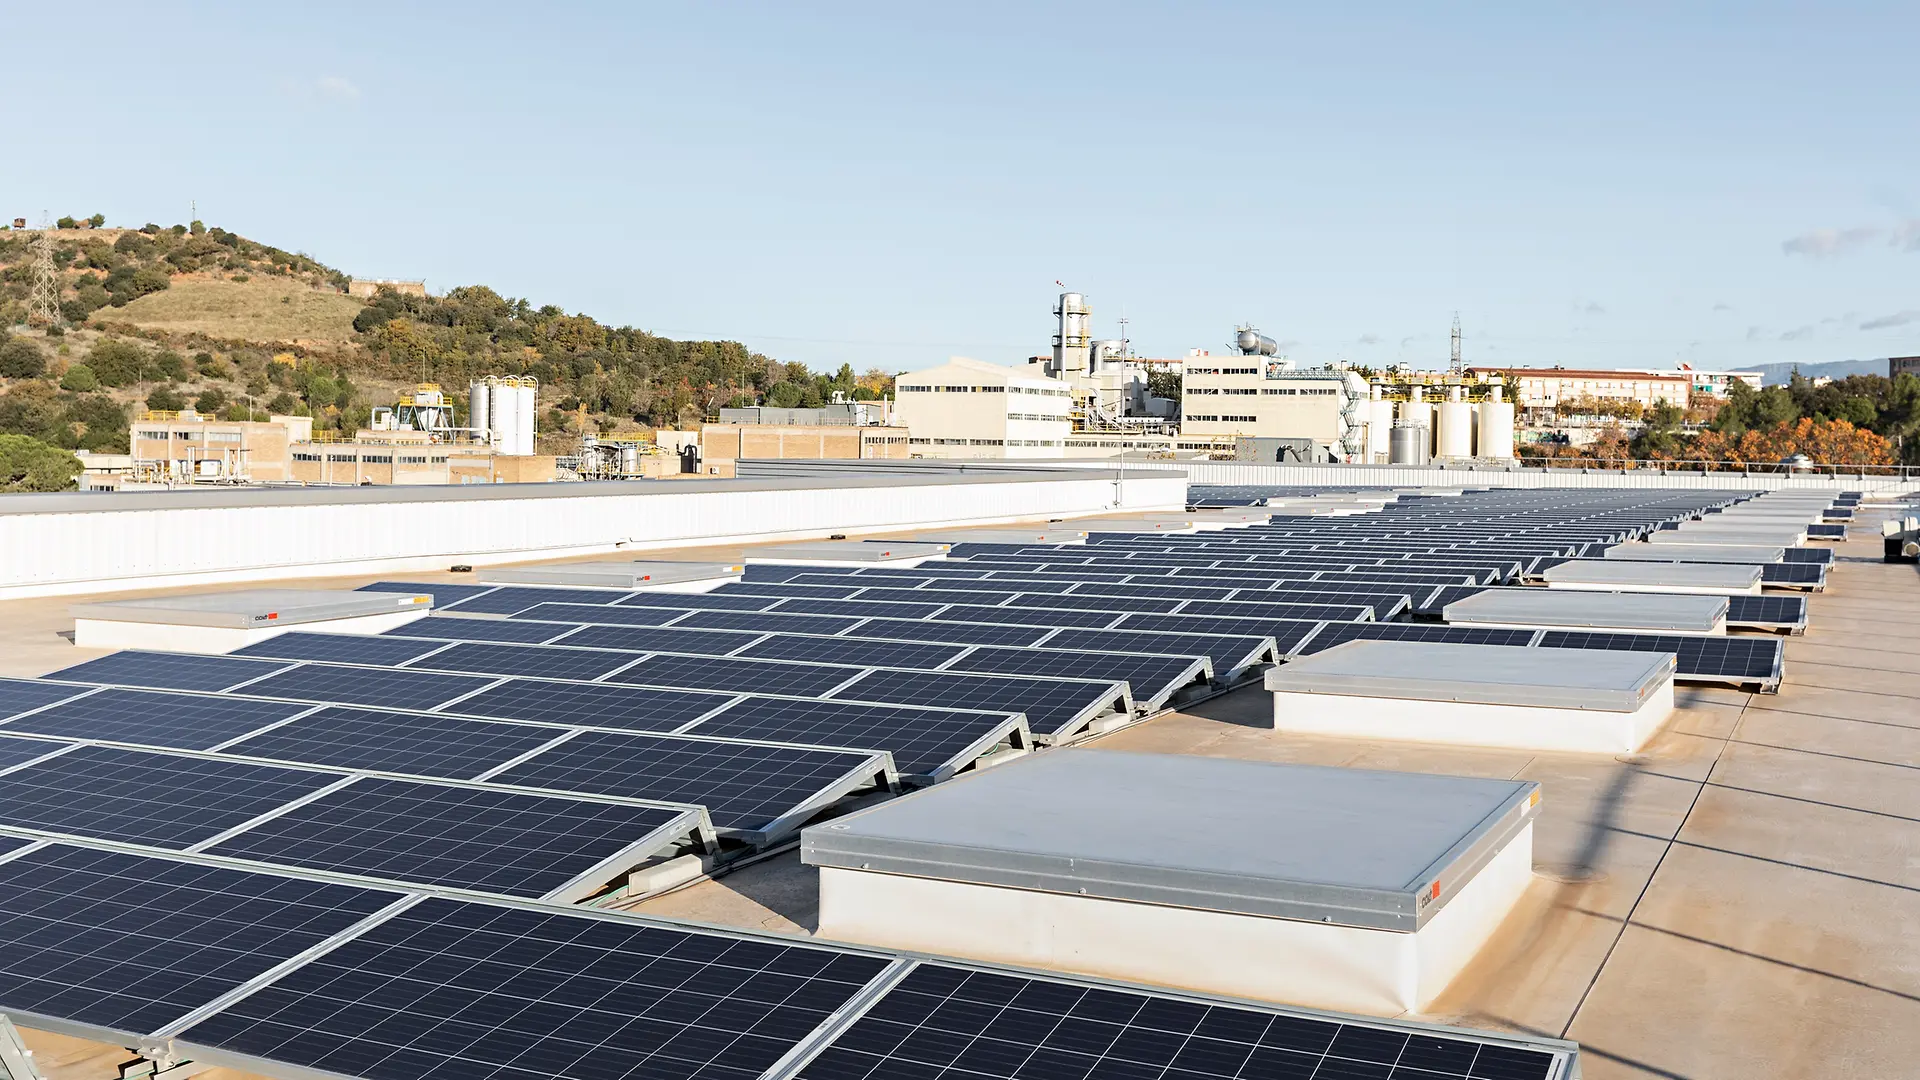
x,y
1793,574
609,614
697,601
632,708
744,786
650,639
1741,659
1337,633
924,742
741,676
143,797
452,988
1225,652
859,652
1152,678
1195,592
1090,602
1823,556
956,632
168,671
858,608
983,594
443,592
384,688
22,695
1026,616
1765,611
505,842
150,718
508,599
1823,532
532,661
17,751
943,1020
451,628
1286,633
341,648
1053,706
1385,605
383,741
780,620
132,942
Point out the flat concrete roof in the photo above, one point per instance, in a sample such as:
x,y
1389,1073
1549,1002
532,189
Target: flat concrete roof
x,y
1708,553
1479,674
249,609
1691,575
619,575
1055,534
1347,846
1575,609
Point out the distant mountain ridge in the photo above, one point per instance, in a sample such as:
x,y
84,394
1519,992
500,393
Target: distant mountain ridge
x,y
1779,374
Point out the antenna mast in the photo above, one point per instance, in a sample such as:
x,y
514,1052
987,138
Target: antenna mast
x,y
43,304
1456,369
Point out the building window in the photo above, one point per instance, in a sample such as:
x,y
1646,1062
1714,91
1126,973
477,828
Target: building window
x,y
306,457
151,435
411,460
223,437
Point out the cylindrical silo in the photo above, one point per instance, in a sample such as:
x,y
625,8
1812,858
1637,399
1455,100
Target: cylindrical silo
x,y
480,405
1453,436
1379,423
529,404
1496,427
1407,444
504,417
1416,411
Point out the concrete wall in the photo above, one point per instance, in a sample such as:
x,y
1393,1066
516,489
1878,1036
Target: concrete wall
x,y
54,545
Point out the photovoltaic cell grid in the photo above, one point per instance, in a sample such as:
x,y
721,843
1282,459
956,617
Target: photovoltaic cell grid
x,y
379,741
1338,633
21,695
610,615
1766,610
744,786
922,741
797,621
151,718
341,648
1151,678
1793,574
451,988
631,708
697,601
956,633
381,688
443,593
862,652
16,751
946,1021
856,608
1023,616
1226,652
133,942
1696,656
741,676
1287,634
168,671
533,661
651,639
163,800
1050,704
495,841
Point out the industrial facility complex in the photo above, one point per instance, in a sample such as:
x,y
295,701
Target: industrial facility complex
x,y
896,769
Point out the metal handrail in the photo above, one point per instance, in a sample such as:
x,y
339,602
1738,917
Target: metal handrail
x,y
1704,465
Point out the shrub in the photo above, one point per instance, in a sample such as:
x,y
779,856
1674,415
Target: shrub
x,y
79,378
166,399
97,220
27,464
65,223
116,362
101,423
22,359
210,401
210,368
169,365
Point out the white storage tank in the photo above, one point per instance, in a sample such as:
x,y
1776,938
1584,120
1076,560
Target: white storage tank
x,y
480,405
1416,412
1496,427
1453,436
1379,425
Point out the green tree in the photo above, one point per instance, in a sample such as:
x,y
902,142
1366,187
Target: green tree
x,y
97,220
116,362
166,399
22,359
80,378
27,464
169,365
65,223
210,401
95,422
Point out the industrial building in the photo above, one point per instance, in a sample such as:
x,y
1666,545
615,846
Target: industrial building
x,y
1544,390
184,447
1903,365
1008,770
970,409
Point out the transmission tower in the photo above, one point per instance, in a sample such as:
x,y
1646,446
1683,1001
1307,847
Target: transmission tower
x,y
43,304
1456,368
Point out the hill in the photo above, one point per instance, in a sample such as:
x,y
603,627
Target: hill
x,y
163,316
1779,374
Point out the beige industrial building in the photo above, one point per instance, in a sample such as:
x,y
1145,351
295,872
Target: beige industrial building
x,y
409,457
1548,388
731,442
971,409
1258,396
185,447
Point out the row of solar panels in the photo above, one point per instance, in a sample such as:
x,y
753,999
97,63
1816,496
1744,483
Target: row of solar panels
x,y
274,974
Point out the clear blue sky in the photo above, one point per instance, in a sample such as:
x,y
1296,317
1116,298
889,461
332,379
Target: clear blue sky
x,y
885,185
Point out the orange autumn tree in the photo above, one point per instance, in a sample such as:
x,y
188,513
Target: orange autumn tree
x,y
1827,442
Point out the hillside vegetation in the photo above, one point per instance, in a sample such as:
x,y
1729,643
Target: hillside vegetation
x,y
166,317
